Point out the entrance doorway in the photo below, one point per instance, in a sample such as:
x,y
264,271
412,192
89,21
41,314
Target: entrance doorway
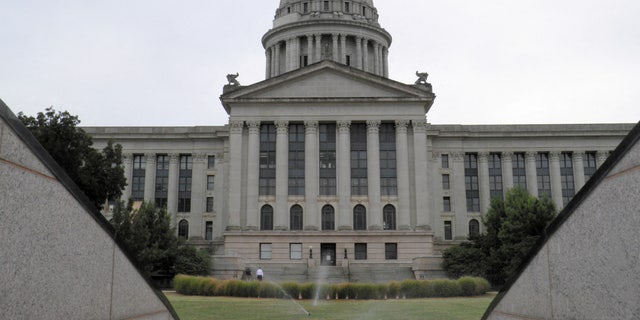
x,y
327,254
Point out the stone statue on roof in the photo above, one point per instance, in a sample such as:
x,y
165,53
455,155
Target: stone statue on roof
x,y
422,77
232,79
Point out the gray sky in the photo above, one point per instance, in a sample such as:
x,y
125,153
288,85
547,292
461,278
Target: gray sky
x,y
163,63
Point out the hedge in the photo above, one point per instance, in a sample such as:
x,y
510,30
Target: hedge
x,y
206,286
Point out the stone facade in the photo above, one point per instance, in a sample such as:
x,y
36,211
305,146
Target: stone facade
x,y
328,153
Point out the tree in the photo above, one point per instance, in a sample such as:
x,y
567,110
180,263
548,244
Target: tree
x,y
98,174
512,227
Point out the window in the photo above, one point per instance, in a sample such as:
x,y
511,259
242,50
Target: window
x,y
359,180
542,174
267,174
327,154
295,251
266,218
347,6
162,180
446,204
265,251
295,222
388,174
471,182
360,251
209,206
184,183
296,159
445,182
137,177
390,251
325,6
210,180
305,7
495,175
519,171
364,11
208,230
183,229
359,218
474,227
389,217
444,161
589,162
211,162
348,60
304,60
566,177
328,222
448,231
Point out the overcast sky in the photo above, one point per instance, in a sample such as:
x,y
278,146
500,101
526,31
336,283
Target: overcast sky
x,y
163,63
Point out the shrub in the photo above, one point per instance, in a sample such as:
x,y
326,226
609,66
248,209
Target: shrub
x,y
410,288
307,290
292,289
393,290
446,288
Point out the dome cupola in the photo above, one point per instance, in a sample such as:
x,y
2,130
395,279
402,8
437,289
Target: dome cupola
x,y
308,31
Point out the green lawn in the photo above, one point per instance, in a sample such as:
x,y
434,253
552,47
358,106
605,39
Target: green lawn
x,y
197,307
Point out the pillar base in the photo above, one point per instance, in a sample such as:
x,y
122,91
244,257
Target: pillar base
x,y
424,227
233,228
405,227
345,228
311,228
280,228
375,227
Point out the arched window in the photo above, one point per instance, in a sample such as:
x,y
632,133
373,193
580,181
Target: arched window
x,y
474,227
328,218
266,218
389,217
183,229
295,222
359,218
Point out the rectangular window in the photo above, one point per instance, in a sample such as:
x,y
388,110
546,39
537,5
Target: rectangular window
x,y
304,60
327,157
162,180
388,173
390,251
448,234
446,204
265,251
589,162
542,174
209,207
360,251
296,159
184,183
495,175
359,178
566,177
348,60
210,180
267,173
137,177
445,182
211,162
325,6
208,230
305,7
295,251
444,160
347,6
519,171
471,182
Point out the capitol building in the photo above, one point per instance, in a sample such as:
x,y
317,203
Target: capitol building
x,y
328,163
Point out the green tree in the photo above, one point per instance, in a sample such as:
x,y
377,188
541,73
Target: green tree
x,y
512,227
98,174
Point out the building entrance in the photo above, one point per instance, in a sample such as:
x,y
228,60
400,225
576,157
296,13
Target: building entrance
x,y
328,254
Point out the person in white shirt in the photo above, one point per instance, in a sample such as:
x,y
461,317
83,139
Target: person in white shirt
x,y
259,273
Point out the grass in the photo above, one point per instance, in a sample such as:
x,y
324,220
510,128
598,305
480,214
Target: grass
x,y
221,308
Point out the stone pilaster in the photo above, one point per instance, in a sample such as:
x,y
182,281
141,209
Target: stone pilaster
x,y
335,53
385,62
601,157
358,53
311,183
198,179
483,181
172,194
376,58
365,54
309,48
556,185
422,198
276,60
459,196
343,158
507,171
318,54
343,48
402,166
127,161
150,177
578,169
235,175
282,176
253,175
373,173
267,72
532,178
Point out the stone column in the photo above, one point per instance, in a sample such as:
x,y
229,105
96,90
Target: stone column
x,y
507,171
311,183
365,54
318,55
296,53
358,53
198,196
335,53
402,165
421,160
172,197
150,178
253,175
267,72
601,157
578,169
385,62
556,185
373,174
532,178
310,48
343,166
376,58
459,196
235,175
127,161
276,64
483,181
282,176
343,48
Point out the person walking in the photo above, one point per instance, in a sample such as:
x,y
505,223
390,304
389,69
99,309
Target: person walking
x,y
259,273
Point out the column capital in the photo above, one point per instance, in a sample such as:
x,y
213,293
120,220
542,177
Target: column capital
x,y
236,126
373,125
554,156
530,155
149,157
127,158
343,125
506,156
253,124
402,123
483,156
282,127
458,156
578,154
602,155
311,126
419,126
174,157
